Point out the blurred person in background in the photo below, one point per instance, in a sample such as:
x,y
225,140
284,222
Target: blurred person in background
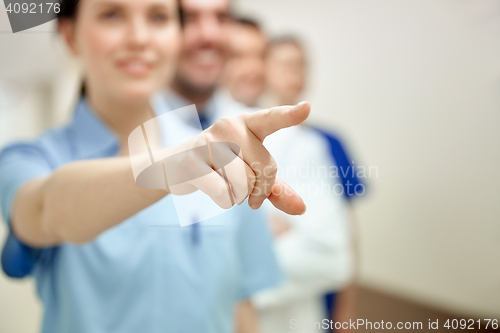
x,y
78,222
314,249
286,67
203,55
244,75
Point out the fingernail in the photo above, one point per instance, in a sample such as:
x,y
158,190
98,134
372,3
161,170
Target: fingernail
x,y
305,208
298,106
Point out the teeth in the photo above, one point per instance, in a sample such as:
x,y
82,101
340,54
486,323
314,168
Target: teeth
x,y
135,65
206,57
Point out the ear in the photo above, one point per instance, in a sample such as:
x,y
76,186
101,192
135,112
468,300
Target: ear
x,y
66,29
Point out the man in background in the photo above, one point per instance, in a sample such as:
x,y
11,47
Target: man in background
x,y
202,58
244,75
314,249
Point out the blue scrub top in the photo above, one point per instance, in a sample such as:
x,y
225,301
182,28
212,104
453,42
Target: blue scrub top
x,y
146,274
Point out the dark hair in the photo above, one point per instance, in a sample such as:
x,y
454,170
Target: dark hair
x,y
69,8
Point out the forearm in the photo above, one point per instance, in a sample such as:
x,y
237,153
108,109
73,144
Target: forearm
x,y
78,202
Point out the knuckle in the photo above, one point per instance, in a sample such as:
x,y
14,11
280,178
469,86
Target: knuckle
x,y
271,169
200,140
224,202
189,157
191,162
219,192
223,125
268,112
226,205
250,181
257,191
241,189
243,117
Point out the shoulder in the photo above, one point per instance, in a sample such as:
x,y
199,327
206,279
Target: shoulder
x,y
229,107
53,146
302,138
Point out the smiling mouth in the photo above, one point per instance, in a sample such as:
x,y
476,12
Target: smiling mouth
x,y
207,57
135,67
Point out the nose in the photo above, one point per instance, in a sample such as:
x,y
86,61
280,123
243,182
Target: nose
x,y
139,33
211,29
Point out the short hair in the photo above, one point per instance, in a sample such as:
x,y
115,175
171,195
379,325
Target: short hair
x,y
248,22
286,39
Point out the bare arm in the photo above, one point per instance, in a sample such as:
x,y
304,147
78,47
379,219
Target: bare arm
x,y
78,202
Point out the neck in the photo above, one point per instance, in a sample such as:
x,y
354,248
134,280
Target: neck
x,y
122,117
194,96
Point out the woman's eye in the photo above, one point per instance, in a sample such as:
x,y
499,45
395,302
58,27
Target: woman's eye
x,y
159,18
110,15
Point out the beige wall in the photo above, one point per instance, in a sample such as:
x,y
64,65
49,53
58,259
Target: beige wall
x,y
20,118
30,64
415,88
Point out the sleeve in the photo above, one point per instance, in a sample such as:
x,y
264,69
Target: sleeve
x,y
353,186
259,267
316,254
19,163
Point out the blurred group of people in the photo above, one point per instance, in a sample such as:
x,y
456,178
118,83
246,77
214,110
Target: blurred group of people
x,y
261,71
317,250
227,67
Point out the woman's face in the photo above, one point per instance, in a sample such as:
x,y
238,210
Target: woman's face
x,y
129,47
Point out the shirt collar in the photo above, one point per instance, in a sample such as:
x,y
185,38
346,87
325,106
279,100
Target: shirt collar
x,y
93,139
170,100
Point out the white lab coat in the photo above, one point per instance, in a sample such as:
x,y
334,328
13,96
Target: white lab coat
x,y
316,253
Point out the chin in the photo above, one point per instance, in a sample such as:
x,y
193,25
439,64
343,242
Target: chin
x,y
201,86
138,92
135,96
206,78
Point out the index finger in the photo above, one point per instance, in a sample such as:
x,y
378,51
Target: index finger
x,y
266,122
